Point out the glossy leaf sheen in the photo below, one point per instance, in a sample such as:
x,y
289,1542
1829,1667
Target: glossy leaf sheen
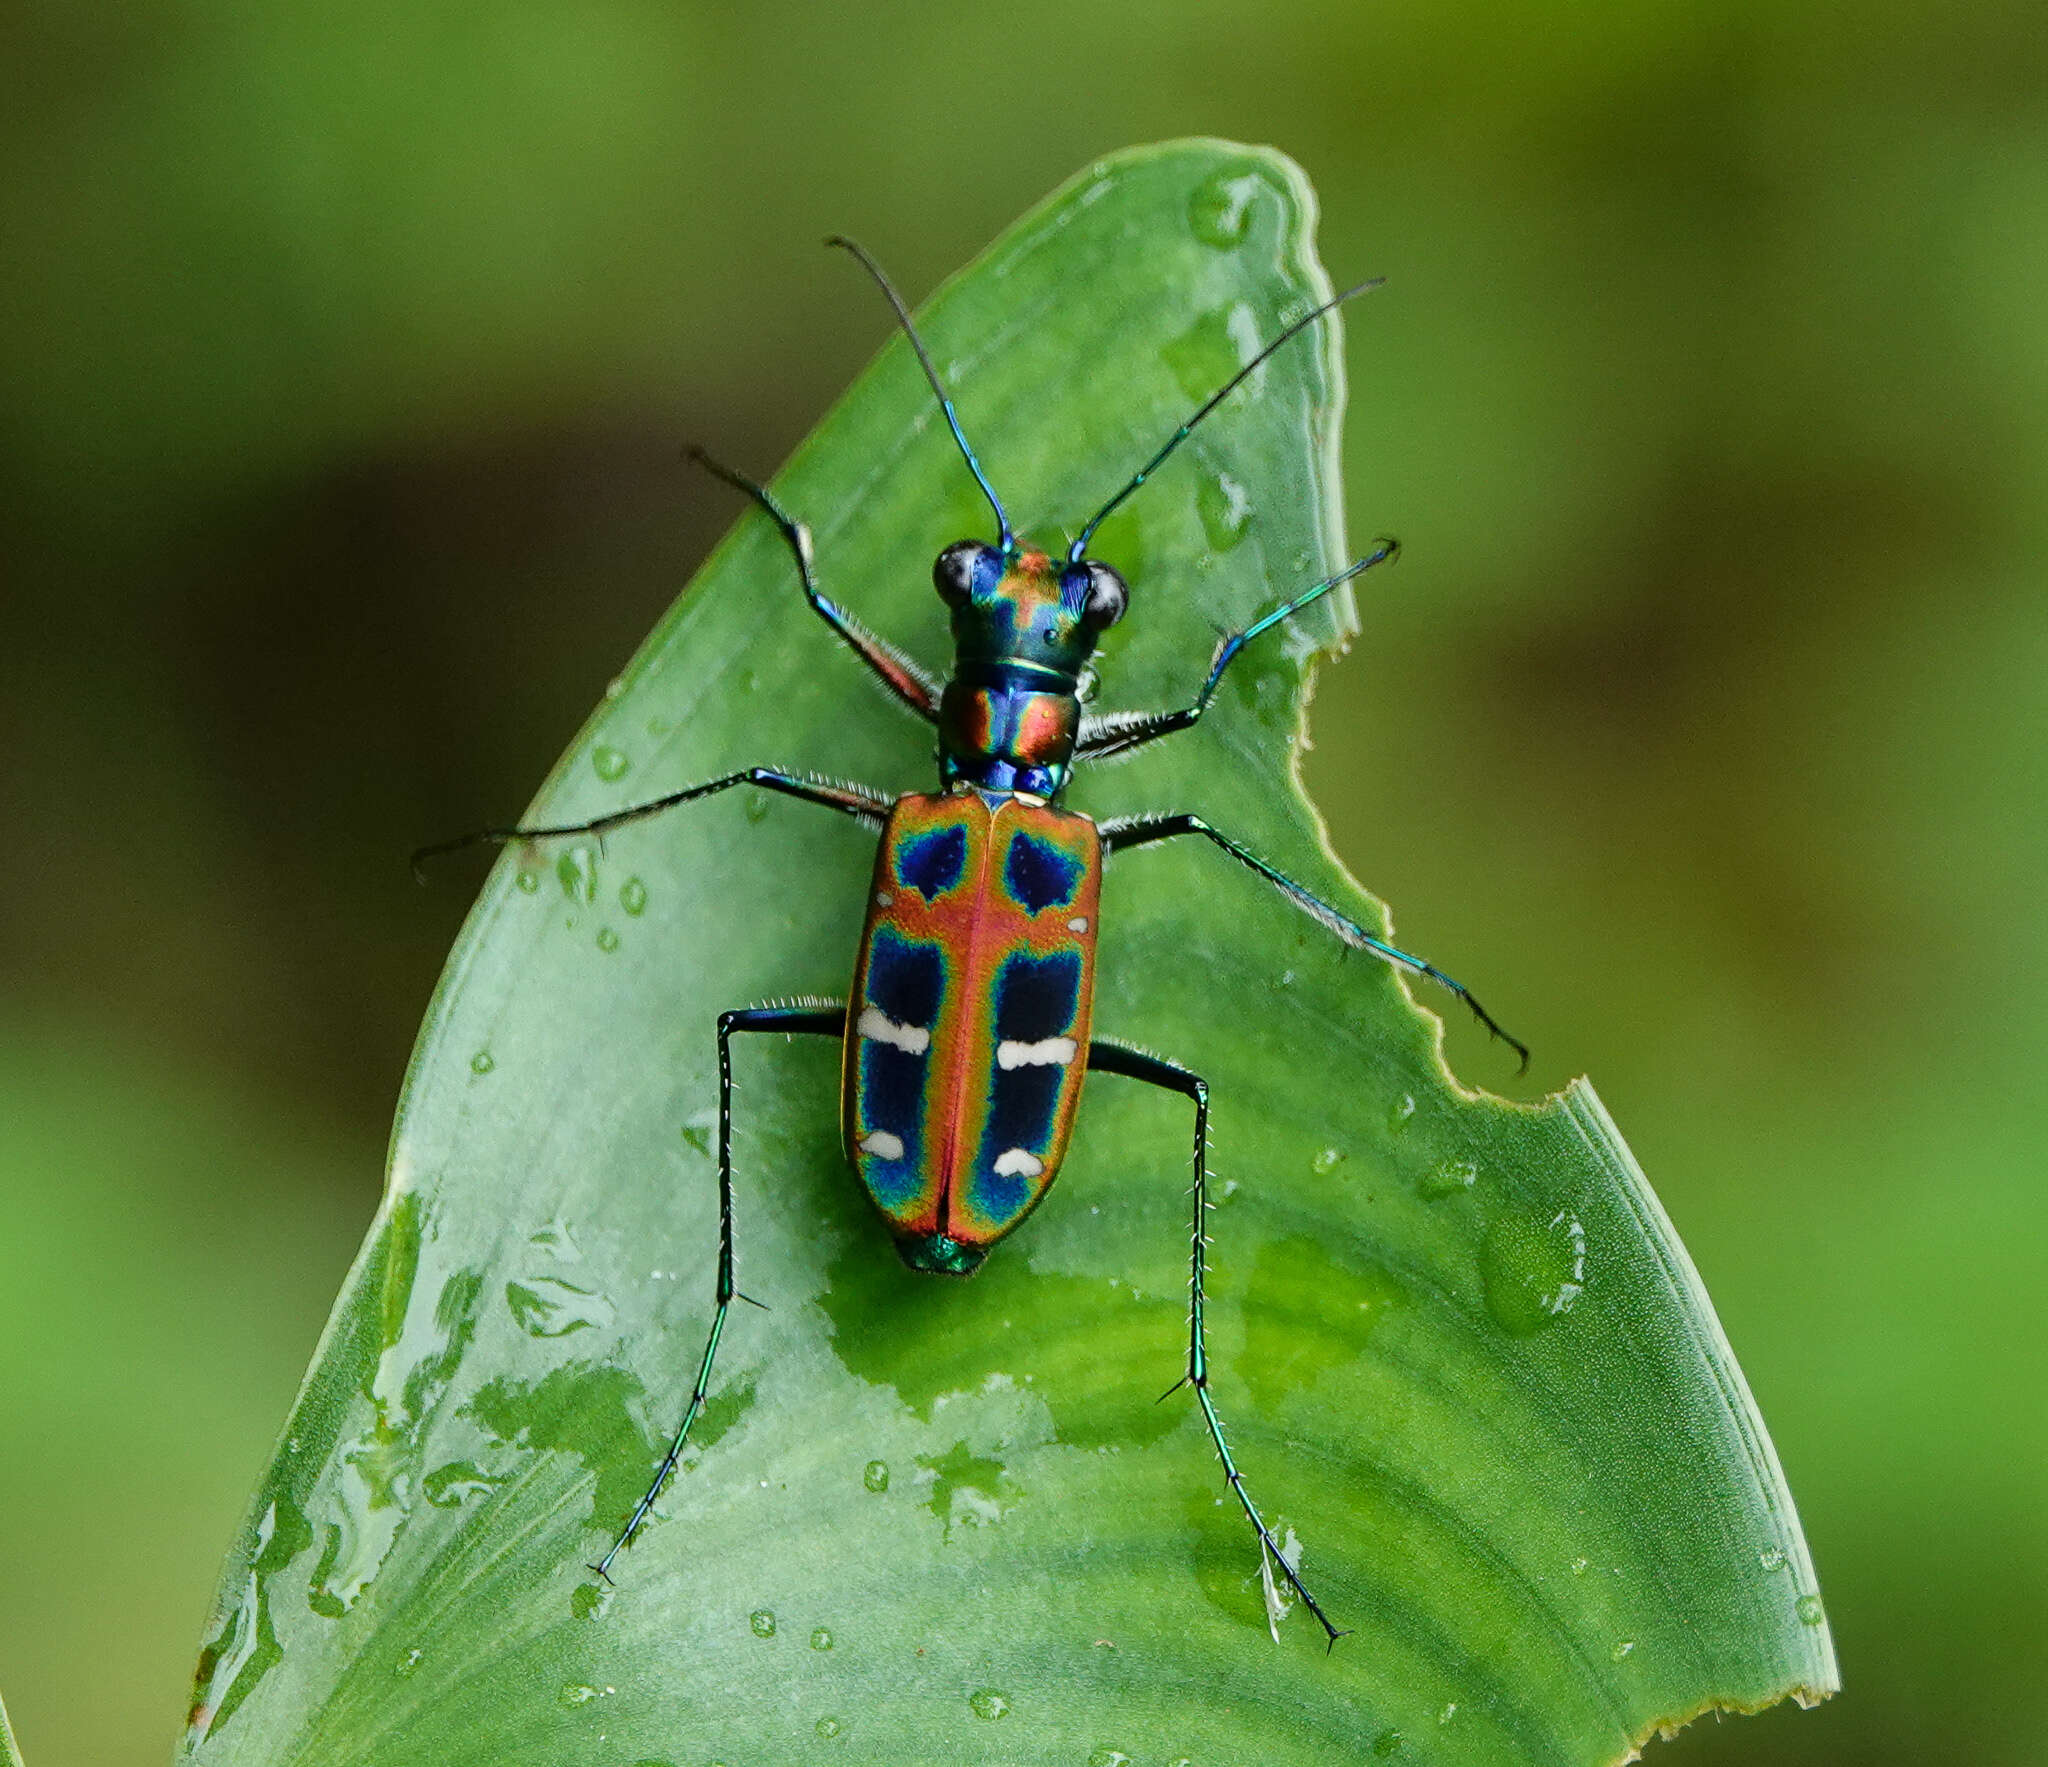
x,y
1464,1359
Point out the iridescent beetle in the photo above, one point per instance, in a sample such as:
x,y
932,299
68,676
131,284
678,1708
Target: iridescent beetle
x,y
967,1032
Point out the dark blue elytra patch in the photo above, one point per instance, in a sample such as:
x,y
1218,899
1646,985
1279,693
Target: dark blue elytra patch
x,y
905,979
931,864
1039,875
1036,997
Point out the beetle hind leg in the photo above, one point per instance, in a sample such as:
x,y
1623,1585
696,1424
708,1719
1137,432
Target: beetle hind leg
x,y
1112,1058
821,1022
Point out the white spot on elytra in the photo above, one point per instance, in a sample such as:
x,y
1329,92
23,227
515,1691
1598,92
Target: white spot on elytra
x,y
1017,1162
878,1025
1079,924
1052,1052
883,898
882,1144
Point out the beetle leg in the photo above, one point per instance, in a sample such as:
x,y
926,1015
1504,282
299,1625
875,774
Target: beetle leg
x,y
1112,1058
1140,831
1120,732
898,673
829,1022
860,801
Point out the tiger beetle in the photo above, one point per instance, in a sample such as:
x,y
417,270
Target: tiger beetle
x,y
966,1035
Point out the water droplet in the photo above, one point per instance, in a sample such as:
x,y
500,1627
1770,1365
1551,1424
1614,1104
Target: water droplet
x,y
1622,1649
761,1622
987,1703
697,1131
875,1475
1398,1118
1386,1743
1220,211
610,764
1772,1558
633,896
557,1240
576,1693
1109,1757
1450,1178
1225,508
577,870
821,1638
1326,1161
827,1727
757,806
482,1062
607,940
1214,348
548,1307
529,881
1811,1612
1534,1269
409,1661
453,1485
1580,1566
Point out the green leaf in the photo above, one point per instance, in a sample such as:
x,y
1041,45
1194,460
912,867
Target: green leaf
x,y
1463,1359
10,1750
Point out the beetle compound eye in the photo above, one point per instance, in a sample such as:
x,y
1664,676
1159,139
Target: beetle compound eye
x,y
1108,596
953,570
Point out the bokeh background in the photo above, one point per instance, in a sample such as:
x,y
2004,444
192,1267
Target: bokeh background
x,y
345,355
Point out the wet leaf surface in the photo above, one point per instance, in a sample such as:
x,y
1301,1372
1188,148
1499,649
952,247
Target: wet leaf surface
x,y
1465,1363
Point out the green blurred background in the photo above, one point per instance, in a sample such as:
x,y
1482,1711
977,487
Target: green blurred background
x,y
345,354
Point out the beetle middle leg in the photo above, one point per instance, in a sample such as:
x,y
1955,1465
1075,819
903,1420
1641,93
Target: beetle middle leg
x,y
1112,1058
1142,831
805,1021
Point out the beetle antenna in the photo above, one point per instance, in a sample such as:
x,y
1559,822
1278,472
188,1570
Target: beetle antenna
x,y
931,374
1080,547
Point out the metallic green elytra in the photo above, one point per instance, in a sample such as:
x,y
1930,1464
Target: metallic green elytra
x,y
967,1033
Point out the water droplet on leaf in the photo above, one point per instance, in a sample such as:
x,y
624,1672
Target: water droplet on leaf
x,y
1220,211
1451,1178
577,872
548,1307
1534,1268
1225,508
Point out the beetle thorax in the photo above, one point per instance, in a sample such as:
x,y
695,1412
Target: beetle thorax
x,y
1011,713
1024,626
